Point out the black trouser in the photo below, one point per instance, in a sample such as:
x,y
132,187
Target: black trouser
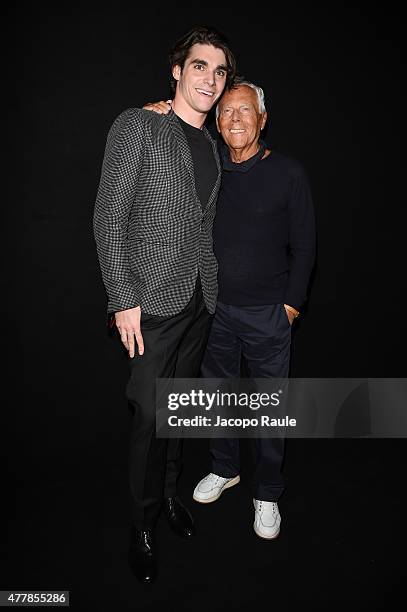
x,y
173,347
262,336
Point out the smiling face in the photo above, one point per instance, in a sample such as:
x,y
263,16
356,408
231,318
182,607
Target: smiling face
x,y
200,82
240,122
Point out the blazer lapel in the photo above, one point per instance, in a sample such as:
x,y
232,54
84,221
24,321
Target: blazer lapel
x,y
216,186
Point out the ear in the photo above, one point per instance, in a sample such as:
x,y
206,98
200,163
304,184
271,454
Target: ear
x,y
217,124
176,72
263,120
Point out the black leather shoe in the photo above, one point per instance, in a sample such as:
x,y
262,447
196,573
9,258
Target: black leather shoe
x,y
179,517
143,555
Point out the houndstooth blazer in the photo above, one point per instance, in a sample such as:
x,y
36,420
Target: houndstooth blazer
x,y
151,234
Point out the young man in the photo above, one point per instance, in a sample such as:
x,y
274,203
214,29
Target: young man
x,y
153,227
264,241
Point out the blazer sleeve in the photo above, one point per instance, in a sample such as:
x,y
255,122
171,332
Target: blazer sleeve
x,y
115,197
302,238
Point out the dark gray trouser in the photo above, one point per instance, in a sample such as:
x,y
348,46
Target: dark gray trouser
x,y
262,336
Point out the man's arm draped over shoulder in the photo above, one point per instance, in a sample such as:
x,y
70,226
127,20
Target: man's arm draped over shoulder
x,y
120,170
301,238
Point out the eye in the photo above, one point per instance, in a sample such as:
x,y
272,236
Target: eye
x,y
226,111
199,66
221,73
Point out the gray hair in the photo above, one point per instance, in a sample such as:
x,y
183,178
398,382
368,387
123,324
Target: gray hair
x,y
257,89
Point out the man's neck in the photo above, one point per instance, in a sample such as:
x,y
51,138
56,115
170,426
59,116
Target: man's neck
x,y
188,114
237,156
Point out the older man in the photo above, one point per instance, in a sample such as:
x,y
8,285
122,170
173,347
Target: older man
x,y
264,241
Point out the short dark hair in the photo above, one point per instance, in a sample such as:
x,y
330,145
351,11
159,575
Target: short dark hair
x,y
203,35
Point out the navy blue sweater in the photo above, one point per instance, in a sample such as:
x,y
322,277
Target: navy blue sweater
x,y
264,231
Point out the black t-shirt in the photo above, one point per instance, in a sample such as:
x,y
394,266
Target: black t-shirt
x,y
205,168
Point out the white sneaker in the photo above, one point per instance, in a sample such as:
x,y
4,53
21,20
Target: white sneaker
x,y
267,519
210,488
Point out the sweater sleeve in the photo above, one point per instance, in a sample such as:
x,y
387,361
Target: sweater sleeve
x,y
301,238
115,197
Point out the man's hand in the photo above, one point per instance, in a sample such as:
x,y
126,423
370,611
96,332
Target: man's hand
x,y
128,324
290,315
162,108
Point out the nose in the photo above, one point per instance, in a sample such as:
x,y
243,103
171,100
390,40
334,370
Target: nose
x,y
210,79
235,115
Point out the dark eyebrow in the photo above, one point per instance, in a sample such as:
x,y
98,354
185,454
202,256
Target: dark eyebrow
x,y
199,61
205,63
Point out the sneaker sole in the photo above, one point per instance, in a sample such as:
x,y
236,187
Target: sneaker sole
x,y
209,500
264,537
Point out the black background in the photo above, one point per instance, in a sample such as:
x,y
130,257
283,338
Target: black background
x,y
331,76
